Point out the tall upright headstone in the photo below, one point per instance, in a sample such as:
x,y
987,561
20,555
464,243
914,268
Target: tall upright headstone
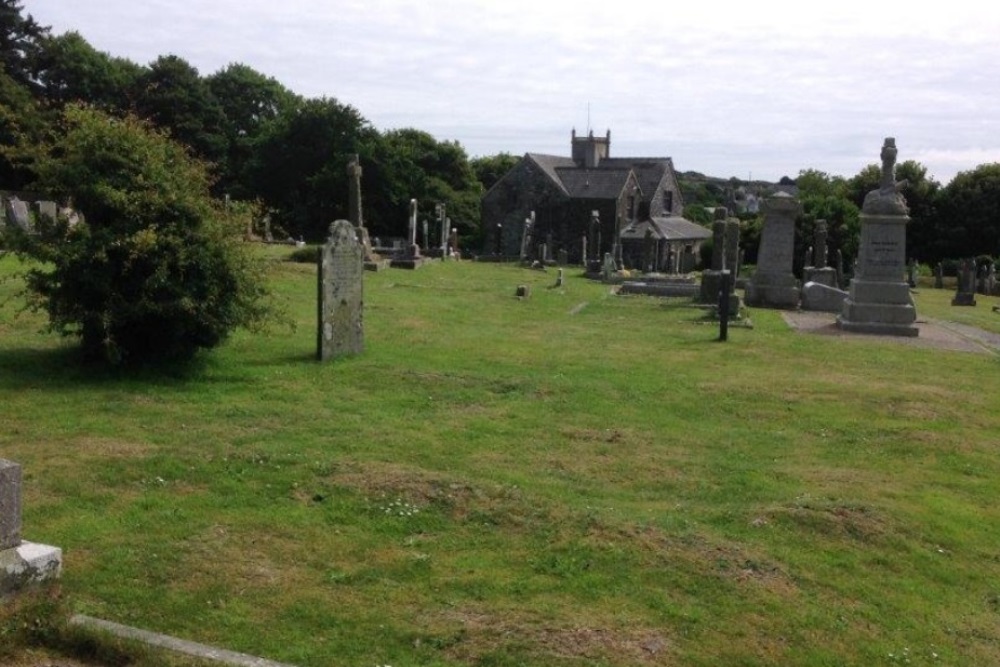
x,y
817,269
965,287
774,285
879,301
340,328
355,213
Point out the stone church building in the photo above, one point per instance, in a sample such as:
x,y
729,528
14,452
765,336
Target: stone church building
x,y
591,196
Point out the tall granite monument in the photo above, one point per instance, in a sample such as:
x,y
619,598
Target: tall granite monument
x,y
340,330
879,299
774,285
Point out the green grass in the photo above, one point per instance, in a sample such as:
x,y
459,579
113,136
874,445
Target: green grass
x,y
507,482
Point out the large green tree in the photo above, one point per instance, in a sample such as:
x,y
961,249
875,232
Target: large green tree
x,y
491,168
298,164
825,197
154,272
969,212
411,164
172,95
250,101
22,125
69,69
20,35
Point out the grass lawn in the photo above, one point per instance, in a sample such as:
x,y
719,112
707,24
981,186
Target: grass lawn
x,y
570,479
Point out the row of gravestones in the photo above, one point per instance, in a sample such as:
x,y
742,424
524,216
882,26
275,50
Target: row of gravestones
x,y
879,300
22,214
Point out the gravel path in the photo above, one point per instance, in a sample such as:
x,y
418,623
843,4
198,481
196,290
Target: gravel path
x,y
937,334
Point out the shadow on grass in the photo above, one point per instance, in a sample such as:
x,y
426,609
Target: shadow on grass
x,y
66,365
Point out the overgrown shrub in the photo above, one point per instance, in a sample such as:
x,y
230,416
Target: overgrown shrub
x,y
157,271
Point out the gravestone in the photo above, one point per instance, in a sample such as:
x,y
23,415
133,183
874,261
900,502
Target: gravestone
x,y
10,504
340,330
47,209
562,257
725,257
711,278
774,285
965,290
17,213
939,276
411,258
879,301
21,563
355,212
816,270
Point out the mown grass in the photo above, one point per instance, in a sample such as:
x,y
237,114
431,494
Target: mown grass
x,y
570,479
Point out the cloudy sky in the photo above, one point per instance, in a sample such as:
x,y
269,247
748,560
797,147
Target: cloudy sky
x,y
763,89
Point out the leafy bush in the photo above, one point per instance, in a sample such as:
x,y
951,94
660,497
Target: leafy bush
x,y
157,271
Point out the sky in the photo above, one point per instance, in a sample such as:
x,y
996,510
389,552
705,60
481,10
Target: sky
x,y
752,90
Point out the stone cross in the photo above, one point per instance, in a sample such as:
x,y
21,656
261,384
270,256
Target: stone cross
x,y
10,504
819,244
340,302
718,243
442,218
354,192
413,222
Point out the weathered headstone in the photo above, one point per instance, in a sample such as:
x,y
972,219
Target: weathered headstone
x,y
17,212
355,213
773,285
965,290
10,504
341,304
562,257
47,209
608,268
879,301
939,276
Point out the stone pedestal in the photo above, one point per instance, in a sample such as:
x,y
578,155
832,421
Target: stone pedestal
x,y
21,563
823,298
773,290
411,260
879,299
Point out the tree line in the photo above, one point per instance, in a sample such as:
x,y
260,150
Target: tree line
x,y
261,141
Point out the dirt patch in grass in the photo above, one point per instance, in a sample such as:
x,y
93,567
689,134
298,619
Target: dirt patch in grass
x,y
833,519
482,633
381,481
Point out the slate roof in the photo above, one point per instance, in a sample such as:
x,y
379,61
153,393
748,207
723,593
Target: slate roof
x,y
608,179
649,171
670,228
600,183
549,164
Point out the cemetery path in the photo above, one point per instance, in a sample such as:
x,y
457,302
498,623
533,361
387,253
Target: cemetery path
x,y
937,334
